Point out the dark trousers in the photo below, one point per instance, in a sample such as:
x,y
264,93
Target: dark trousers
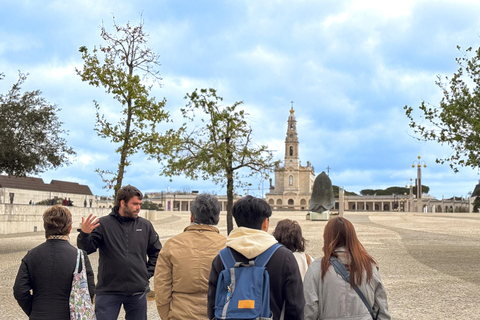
x,y
107,306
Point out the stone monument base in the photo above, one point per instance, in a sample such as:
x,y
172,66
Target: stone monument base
x,y
319,216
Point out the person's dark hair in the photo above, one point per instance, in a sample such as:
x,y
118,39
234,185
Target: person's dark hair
x,y
126,193
339,232
289,233
57,220
250,212
205,209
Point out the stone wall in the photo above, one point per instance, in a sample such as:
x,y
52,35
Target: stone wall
x,y
18,218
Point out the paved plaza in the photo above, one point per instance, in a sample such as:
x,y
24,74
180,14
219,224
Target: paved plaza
x,y
430,263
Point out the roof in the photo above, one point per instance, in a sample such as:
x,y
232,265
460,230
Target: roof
x,y
37,184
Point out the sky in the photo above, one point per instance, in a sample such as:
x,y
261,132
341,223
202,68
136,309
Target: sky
x,y
348,66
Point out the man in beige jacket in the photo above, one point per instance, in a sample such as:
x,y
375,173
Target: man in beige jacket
x,y
183,265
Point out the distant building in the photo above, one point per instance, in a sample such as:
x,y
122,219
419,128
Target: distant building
x,y
180,201
293,182
29,190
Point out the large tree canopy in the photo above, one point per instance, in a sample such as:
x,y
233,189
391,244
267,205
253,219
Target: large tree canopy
x,y
456,120
126,62
30,133
219,147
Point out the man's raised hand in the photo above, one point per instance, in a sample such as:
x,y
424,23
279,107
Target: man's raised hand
x,y
90,223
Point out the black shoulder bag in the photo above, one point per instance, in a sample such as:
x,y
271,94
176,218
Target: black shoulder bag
x,y
341,270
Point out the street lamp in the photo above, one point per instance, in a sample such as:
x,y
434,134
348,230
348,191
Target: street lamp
x,y
419,175
410,204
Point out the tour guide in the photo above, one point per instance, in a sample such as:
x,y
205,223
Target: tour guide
x,y
124,241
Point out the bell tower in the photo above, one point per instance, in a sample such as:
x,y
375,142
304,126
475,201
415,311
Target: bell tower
x,y
291,142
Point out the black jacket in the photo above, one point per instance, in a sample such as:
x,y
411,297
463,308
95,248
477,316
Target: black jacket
x,y
124,245
47,270
285,284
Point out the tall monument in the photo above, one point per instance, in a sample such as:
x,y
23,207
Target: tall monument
x,y
293,182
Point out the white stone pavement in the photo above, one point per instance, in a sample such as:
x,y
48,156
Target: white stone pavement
x,y
430,263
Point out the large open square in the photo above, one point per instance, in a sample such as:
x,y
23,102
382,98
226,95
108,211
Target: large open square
x,y
429,262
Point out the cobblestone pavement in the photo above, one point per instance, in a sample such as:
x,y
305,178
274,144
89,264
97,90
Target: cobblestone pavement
x,y
429,262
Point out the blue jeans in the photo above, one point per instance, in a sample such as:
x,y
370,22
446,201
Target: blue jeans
x,y
107,306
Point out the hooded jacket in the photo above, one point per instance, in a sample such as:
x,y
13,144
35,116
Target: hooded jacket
x,y
334,298
124,245
181,275
286,289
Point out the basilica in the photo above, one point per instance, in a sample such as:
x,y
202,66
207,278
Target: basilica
x,y
293,182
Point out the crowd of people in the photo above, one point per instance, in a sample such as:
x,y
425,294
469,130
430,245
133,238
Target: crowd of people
x,y
191,268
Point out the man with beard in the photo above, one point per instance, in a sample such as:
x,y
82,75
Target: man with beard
x,y
124,241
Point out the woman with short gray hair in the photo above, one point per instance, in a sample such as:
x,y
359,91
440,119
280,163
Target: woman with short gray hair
x,y
183,265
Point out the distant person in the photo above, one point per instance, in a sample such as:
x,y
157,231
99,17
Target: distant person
x,y
183,265
85,203
326,294
289,233
65,202
69,203
250,240
128,248
44,279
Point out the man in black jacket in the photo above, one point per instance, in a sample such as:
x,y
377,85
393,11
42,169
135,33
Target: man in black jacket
x,y
124,241
248,241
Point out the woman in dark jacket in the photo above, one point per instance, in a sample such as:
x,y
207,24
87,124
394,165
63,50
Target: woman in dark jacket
x,y
44,280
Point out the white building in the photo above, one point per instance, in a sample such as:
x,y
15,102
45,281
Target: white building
x,y
293,182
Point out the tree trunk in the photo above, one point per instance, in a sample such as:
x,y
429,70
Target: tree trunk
x,y
126,140
229,201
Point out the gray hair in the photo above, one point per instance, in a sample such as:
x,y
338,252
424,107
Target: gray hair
x,y
205,209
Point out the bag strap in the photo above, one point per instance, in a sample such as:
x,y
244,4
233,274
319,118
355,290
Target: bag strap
x,y
229,261
341,270
227,258
79,253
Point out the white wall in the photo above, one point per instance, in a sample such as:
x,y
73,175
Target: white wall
x,y
18,218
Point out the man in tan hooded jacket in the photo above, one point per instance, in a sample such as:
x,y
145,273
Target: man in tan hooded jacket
x,y
183,265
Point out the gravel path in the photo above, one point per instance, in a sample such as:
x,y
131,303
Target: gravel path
x,y
430,263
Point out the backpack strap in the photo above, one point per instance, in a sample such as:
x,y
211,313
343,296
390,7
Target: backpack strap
x,y
227,258
341,270
229,261
265,256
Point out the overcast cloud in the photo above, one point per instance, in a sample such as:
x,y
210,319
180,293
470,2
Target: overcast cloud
x,y
349,66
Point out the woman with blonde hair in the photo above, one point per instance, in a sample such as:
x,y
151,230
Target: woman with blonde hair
x,y
328,295
289,233
44,280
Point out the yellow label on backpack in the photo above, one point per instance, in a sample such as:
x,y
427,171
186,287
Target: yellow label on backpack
x,y
246,304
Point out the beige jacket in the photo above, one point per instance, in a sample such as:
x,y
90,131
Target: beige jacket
x,y
182,271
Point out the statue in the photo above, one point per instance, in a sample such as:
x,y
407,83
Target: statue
x,y
322,199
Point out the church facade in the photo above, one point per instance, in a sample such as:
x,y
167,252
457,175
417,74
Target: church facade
x,y
293,182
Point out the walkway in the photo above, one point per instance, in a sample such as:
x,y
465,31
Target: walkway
x,y
429,262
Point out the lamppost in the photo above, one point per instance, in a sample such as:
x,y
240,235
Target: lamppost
x,y
410,197
419,181
419,175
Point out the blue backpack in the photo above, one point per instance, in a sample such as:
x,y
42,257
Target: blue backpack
x,y
243,289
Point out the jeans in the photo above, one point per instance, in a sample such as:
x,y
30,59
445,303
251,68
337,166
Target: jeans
x,y
107,306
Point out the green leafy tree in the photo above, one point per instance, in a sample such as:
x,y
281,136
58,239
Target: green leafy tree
x,y
456,120
219,147
149,205
126,62
30,133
